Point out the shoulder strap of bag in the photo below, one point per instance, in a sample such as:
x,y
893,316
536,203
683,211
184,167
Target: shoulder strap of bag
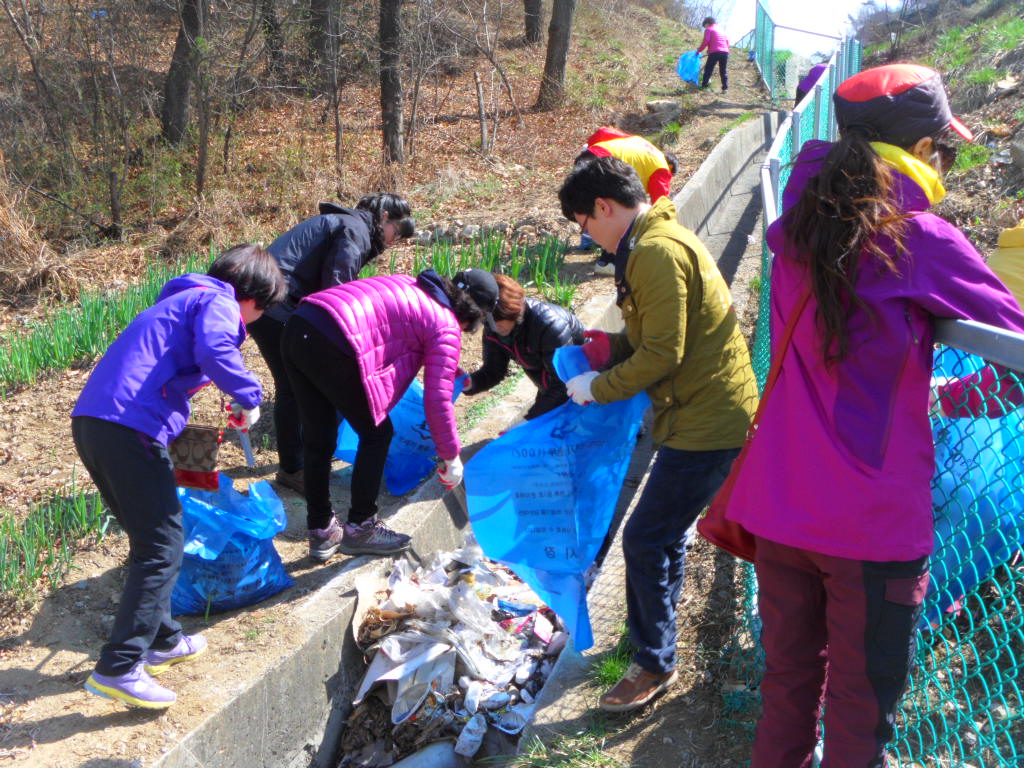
x,y
776,366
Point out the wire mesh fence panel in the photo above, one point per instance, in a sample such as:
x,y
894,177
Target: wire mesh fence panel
x,y
963,705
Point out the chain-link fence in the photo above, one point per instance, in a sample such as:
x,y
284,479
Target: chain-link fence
x,y
963,707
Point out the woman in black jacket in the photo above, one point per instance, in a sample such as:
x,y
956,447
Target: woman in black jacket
x,y
527,331
318,253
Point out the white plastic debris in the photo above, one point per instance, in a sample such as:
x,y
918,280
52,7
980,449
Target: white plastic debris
x,y
472,736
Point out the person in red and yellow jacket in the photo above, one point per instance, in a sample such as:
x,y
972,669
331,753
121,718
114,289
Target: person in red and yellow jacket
x,y
654,166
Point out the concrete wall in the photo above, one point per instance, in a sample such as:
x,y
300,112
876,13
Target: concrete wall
x,y
711,184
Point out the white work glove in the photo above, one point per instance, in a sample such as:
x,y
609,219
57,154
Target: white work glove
x,y
578,387
243,419
450,472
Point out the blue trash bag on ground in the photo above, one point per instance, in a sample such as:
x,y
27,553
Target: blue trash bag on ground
x,y
230,560
688,67
411,457
977,496
542,496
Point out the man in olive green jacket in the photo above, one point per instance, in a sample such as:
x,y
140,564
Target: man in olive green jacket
x,y
683,346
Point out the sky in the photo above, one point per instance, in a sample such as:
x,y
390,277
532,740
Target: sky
x,y
826,16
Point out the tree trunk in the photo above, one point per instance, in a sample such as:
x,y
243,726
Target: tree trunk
x,y
322,33
534,31
391,79
178,85
552,83
272,34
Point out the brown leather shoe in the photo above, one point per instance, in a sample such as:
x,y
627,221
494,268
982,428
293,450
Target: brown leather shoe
x,y
636,688
293,480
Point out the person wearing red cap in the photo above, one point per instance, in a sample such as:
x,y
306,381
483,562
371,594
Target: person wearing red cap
x,y
836,484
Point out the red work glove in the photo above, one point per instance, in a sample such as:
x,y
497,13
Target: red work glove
x,y
598,349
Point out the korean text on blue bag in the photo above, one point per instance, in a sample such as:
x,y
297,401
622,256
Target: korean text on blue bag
x,y
688,67
542,496
977,497
411,457
230,560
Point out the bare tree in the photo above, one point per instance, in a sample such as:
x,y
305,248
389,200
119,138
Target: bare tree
x,y
533,21
273,35
180,75
552,83
391,79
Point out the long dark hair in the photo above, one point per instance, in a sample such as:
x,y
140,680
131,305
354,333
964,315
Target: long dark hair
x,y
845,212
397,210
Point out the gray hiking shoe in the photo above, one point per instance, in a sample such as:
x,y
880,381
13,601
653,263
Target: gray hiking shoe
x,y
372,537
324,542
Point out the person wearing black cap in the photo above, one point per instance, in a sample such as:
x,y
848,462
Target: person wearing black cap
x,y
527,331
835,484
353,350
325,250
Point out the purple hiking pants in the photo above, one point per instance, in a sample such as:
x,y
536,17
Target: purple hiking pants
x,y
855,620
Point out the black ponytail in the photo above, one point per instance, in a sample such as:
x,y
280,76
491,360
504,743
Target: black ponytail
x,y
843,213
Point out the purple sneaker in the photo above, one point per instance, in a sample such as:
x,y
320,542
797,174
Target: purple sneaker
x,y
135,688
188,647
324,542
372,537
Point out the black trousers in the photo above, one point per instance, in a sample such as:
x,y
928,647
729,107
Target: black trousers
x,y
326,383
721,58
267,333
135,477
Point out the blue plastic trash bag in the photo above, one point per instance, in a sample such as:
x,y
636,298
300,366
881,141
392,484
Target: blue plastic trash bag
x,y
411,457
541,496
688,67
977,496
230,560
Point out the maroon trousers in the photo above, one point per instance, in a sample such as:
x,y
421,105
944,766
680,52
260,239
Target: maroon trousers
x,y
839,631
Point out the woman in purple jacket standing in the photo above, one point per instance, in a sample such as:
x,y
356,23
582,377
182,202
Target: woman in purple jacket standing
x,y
835,484
135,402
353,350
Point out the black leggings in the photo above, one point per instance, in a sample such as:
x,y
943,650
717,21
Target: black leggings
x,y
721,58
327,382
267,333
136,480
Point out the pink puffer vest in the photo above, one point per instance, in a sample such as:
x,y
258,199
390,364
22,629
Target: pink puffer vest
x,y
395,328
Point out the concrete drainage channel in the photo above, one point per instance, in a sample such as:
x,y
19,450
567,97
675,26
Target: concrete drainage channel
x,y
292,714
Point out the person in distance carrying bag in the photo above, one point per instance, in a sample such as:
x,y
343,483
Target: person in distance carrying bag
x,y
135,402
835,484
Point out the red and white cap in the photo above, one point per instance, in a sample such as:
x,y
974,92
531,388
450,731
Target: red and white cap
x,y
896,103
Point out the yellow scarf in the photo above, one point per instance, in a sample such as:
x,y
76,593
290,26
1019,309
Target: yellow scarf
x,y
927,178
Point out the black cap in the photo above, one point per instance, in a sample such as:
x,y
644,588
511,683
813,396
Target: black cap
x,y
481,287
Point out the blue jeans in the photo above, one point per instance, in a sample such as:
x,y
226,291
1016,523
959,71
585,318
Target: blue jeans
x,y
680,485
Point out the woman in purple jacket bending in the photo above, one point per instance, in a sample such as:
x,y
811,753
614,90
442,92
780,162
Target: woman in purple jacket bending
x,y
135,402
353,350
835,483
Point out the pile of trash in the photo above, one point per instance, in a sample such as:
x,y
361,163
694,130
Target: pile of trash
x,y
457,652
